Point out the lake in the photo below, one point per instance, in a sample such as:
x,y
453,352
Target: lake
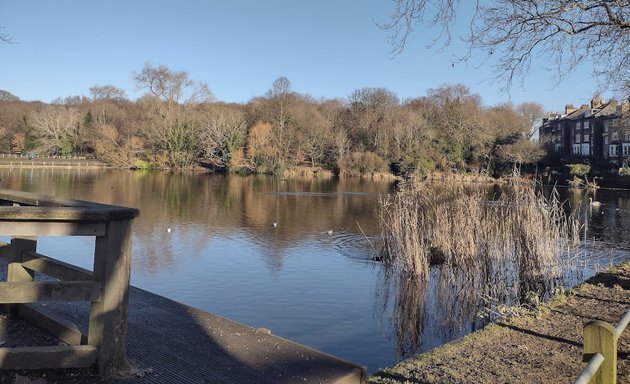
x,y
209,240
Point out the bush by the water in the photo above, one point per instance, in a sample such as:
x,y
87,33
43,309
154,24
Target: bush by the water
x,y
579,169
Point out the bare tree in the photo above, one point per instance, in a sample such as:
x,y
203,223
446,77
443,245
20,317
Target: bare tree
x,y
115,150
222,135
521,152
170,102
56,128
18,140
201,93
533,113
171,86
313,131
108,92
512,33
5,36
278,97
369,118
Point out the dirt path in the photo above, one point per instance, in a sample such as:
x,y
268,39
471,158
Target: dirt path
x,y
547,349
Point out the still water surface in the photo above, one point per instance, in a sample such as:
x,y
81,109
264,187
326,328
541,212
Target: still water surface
x,y
320,288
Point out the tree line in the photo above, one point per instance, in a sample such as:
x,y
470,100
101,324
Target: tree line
x,y
178,123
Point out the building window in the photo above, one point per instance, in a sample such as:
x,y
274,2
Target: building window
x,y
578,125
557,148
615,136
577,138
586,137
626,136
625,149
613,150
587,125
605,126
576,149
606,139
585,149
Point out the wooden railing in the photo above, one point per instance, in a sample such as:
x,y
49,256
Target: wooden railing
x,y
23,217
28,156
600,351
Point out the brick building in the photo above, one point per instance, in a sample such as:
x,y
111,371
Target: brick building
x,y
598,133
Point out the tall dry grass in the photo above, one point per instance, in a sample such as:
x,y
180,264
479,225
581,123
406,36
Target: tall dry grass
x,y
523,235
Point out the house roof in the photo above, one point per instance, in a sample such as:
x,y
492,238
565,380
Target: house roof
x,y
609,110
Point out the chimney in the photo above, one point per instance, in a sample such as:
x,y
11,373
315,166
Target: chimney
x,y
569,108
596,102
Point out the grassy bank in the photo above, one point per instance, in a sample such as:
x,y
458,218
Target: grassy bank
x,y
541,345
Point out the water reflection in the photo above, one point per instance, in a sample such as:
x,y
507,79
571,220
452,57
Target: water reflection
x,y
199,206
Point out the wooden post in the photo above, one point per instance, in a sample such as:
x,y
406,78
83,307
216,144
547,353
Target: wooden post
x,y
601,337
108,318
15,271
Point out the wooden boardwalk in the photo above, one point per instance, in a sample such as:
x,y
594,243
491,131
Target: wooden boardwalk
x,y
176,343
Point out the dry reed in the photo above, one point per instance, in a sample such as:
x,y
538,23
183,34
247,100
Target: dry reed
x,y
522,236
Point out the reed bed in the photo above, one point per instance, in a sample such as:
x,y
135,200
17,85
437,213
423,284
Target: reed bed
x,y
523,236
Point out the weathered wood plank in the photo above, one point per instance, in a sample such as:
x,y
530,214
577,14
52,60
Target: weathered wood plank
x,y
63,209
80,214
55,268
51,228
34,199
22,244
15,272
46,320
354,376
6,251
108,318
45,291
82,356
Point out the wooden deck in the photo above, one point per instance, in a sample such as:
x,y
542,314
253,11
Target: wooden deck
x,y
176,343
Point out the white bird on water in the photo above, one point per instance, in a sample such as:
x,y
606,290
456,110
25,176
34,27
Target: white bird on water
x,y
594,203
274,224
329,232
168,229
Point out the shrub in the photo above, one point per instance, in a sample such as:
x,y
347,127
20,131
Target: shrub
x,y
365,163
579,169
142,165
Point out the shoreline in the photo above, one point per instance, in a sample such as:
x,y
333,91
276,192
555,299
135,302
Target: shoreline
x,y
545,346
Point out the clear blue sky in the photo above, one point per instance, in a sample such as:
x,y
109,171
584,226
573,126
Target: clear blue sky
x,y
326,48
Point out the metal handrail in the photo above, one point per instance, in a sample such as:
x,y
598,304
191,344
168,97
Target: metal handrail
x,y
591,369
623,323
